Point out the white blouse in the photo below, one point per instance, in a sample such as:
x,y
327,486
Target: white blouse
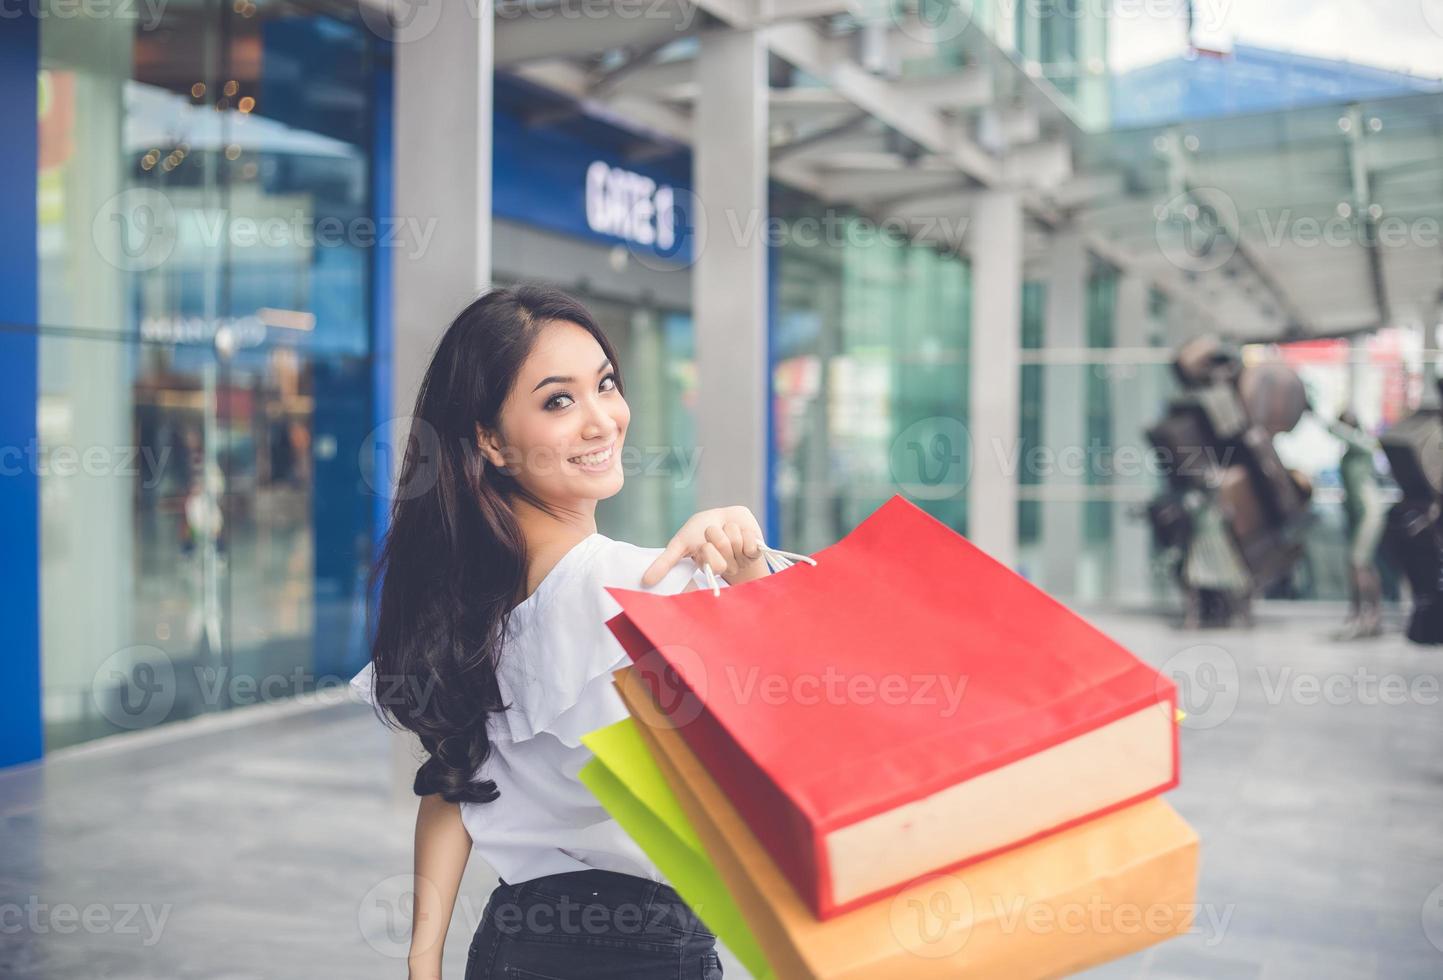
x,y
555,673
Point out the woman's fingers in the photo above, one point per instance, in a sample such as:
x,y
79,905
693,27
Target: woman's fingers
x,y
717,538
743,517
751,543
716,535
729,531
711,556
676,549
733,532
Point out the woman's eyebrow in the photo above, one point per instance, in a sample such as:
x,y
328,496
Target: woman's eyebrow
x,y
554,379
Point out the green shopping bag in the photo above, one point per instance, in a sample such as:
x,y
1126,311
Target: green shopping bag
x,y
625,779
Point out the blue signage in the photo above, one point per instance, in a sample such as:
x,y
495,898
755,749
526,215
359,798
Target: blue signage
x,y
549,178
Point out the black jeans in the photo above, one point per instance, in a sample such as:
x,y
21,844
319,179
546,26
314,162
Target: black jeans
x,y
590,925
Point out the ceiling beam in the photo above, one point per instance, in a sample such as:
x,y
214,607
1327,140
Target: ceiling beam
x,y
779,11
523,38
965,90
917,119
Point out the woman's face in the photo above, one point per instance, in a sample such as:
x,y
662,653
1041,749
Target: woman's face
x,y
562,426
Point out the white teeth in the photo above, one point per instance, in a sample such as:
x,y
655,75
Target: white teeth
x,y
593,459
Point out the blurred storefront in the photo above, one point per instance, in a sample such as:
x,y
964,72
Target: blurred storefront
x,y
214,237
945,253
206,312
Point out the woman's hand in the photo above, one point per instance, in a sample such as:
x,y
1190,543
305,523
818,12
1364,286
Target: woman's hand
x,y
729,539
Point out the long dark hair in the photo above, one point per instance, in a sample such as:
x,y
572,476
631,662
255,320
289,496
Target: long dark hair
x,y
454,560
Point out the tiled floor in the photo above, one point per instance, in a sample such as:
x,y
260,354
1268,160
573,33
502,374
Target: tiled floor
x,y
271,850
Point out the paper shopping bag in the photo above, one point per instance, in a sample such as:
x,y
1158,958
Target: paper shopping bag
x,y
907,705
1098,891
626,780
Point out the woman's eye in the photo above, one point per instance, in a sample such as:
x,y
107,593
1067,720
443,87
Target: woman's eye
x,y
551,403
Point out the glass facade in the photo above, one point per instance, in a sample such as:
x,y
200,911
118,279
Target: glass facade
x,y
1081,532
206,263
1064,42
870,338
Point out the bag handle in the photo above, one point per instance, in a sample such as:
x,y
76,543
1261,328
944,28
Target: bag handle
x,y
777,559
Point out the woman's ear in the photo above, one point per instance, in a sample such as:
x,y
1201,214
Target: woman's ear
x,y
490,447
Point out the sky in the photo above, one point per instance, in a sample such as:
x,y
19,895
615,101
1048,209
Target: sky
x,y
1404,35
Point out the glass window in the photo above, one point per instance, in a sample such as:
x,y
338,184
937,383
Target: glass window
x,y
869,379
206,243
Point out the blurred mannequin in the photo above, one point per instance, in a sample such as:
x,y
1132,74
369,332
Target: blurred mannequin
x,y
1366,512
1217,589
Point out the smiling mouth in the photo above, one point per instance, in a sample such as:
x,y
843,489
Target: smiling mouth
x,y
594,459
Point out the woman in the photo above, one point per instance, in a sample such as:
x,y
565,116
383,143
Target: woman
x,y
491,645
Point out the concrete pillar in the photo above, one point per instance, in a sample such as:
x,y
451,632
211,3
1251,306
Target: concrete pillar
x,y
442,153
650,492
729,274
87,515
442,157
1136,392
1064,412
994,242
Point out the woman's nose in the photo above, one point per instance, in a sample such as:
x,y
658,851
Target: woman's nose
x,y
598,421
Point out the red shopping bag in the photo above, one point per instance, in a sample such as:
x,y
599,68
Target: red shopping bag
x,y
907,705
